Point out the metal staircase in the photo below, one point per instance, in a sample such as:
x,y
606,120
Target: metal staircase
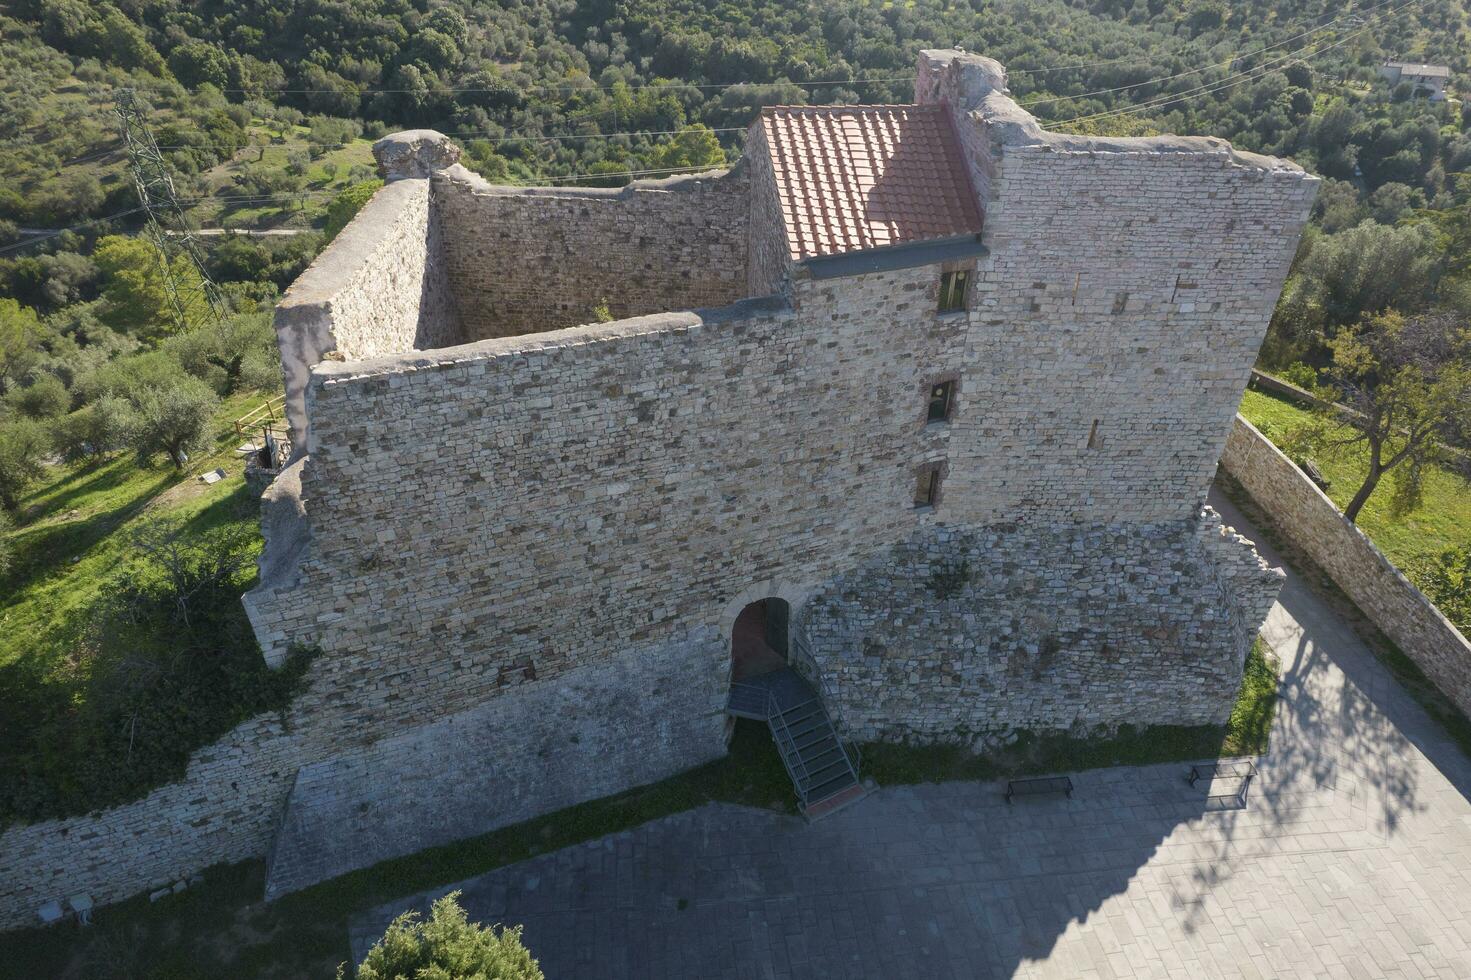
x,y
823,768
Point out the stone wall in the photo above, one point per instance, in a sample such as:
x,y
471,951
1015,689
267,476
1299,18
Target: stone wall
x,y
594,731
482,528
1305,515
768,257
1129,282
379,287
960,631
529,259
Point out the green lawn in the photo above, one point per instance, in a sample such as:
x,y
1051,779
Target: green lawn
x,y
1443,521
104,691
72,531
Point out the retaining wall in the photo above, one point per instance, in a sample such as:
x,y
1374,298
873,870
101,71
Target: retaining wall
x,y
1312,522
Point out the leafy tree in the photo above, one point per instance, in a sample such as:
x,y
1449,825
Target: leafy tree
x,y
134,293
228,353
447,947
44,398
174,420
23,447
347,204
1363,270
92,431
198,63
1407,384
20,335
694,146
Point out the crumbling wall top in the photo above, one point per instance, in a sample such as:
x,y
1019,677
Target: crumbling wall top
x,y
416,153
975,86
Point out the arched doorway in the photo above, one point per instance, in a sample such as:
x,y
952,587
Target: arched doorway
x,y
759,640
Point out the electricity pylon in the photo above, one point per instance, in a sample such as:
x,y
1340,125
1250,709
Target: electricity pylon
x,y
168,225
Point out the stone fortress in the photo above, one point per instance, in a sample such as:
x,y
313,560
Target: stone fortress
x,y
941,403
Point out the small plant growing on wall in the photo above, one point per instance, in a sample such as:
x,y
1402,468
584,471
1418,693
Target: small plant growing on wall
x,y
602,312
950,579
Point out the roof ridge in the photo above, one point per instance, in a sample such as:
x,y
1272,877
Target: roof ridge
x,y
920,106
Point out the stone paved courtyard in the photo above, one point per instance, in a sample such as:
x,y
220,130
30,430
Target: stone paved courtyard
x,y
1352,859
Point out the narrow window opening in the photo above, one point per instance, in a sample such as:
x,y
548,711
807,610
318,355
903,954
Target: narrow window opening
x,y
927,487
941,397
952,291
1093,435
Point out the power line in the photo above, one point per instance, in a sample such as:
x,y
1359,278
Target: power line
x,y
1196,71
56,232
1229,81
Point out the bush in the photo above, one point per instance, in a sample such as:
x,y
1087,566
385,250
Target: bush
x,y
44,398
174,420
347,204
23,448
94,431
447,947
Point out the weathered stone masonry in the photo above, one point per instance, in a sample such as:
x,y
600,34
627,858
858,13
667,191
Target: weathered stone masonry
x,y
522,555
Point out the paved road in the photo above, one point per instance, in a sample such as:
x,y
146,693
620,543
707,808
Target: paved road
x,y
1353,859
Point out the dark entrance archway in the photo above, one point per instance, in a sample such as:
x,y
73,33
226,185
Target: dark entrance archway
x,y
760,639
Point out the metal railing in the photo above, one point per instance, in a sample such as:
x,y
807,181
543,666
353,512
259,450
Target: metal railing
x,y
829,698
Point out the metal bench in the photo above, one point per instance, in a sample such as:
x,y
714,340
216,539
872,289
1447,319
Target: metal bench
x,y
1039,784
1242,769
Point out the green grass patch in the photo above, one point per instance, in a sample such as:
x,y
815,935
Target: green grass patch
x,y
1442,521
1246,733
105,692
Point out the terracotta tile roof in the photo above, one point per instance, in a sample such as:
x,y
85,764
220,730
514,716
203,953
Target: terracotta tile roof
x,y
857,177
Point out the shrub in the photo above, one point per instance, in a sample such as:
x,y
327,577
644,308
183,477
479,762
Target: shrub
x,y
44,398
23,448
93,431
174,420
447,947
347,204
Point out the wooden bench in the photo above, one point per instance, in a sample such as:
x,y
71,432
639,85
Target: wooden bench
x,y
1242,769
1040,784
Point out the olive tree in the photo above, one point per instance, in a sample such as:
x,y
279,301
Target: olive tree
x,y
23,448
174,419
1406,382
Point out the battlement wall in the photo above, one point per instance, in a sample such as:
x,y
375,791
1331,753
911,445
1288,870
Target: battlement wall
x,y
530,259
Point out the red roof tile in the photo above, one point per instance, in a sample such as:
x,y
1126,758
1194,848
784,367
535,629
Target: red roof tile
x,y
856,177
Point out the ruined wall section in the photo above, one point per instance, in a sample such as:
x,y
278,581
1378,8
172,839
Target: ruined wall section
x,y
525,260
380,287
1141,274
958,631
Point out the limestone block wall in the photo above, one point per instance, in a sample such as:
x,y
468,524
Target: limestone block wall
x,y
1140,274
1312,522
379,287
524,260
594,731
768,259
1041,626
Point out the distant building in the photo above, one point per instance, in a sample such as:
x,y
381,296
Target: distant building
x,y
1428,80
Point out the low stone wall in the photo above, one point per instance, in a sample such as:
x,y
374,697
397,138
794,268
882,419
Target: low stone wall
x,y
1045,626
1312,522
524,260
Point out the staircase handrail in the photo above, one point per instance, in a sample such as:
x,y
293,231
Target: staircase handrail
x,y
779,730
832,704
